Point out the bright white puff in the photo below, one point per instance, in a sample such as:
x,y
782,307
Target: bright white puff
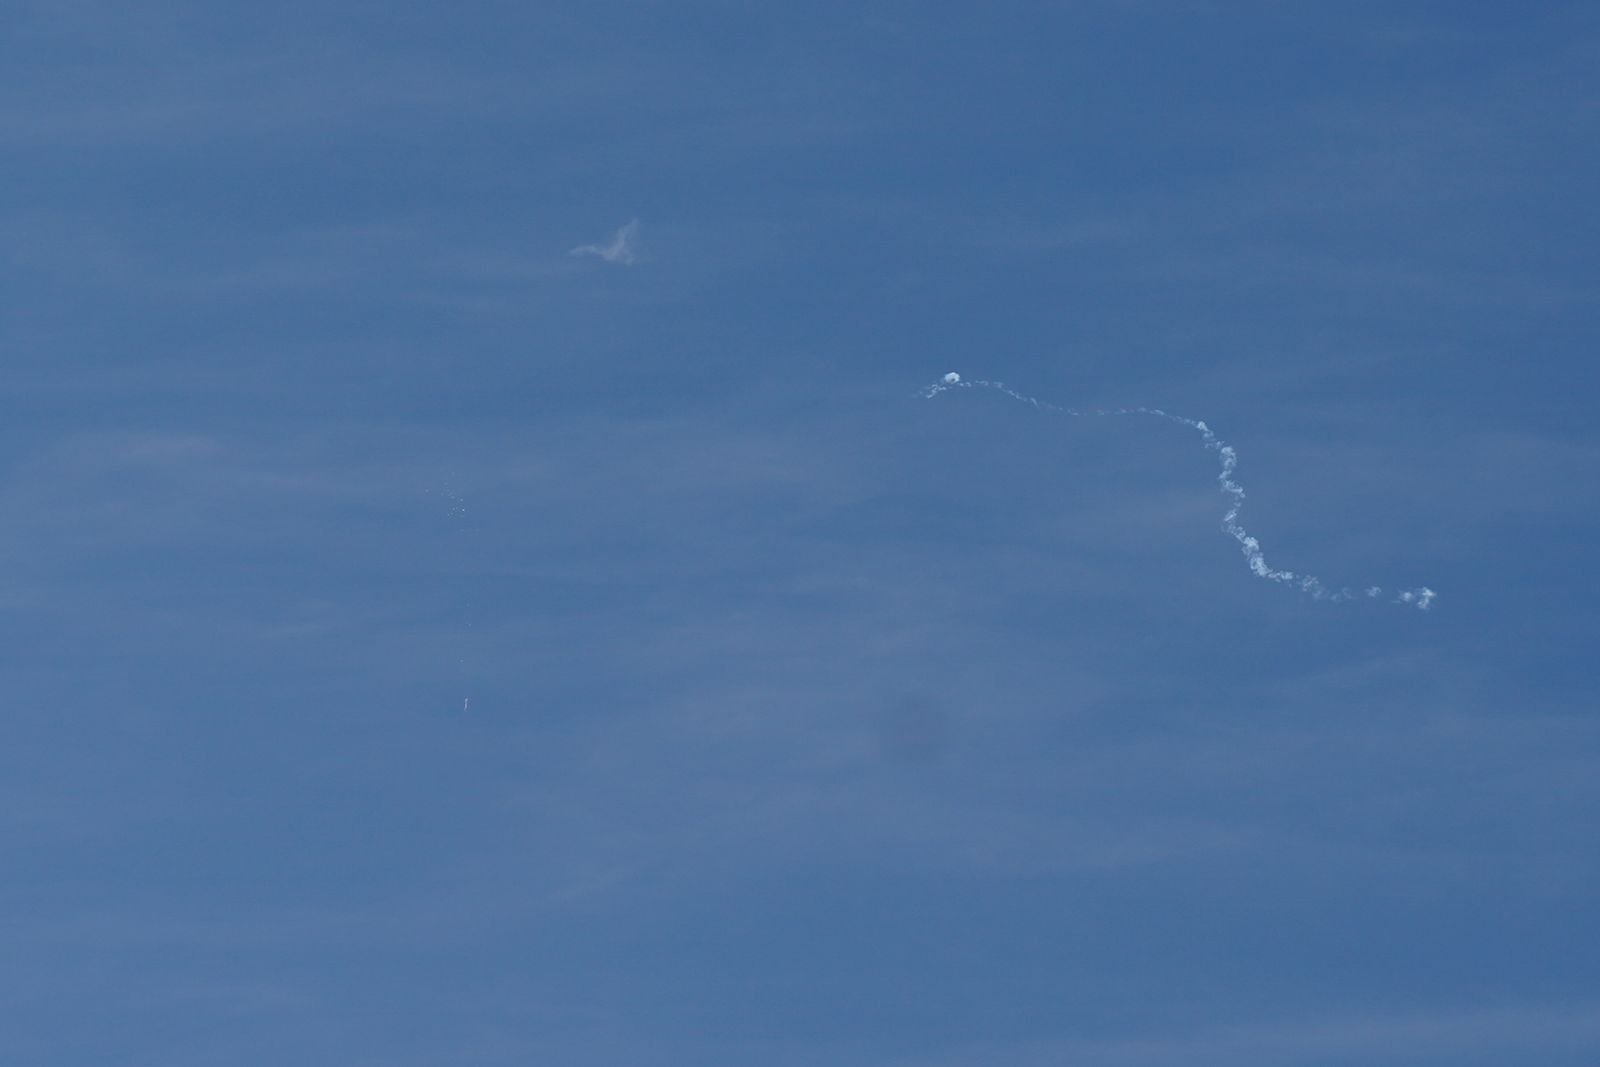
x,y
952,378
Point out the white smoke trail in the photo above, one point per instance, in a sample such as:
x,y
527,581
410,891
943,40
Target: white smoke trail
x,y
621,249
1421,597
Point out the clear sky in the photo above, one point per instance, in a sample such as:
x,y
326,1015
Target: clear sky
x,y
483,588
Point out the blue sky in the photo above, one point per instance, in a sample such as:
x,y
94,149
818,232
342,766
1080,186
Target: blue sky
x,y
810,721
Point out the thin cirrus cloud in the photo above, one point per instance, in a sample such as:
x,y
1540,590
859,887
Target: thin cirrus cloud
x,y
621,248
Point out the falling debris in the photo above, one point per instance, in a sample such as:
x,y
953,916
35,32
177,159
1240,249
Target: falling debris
x,y
1421,597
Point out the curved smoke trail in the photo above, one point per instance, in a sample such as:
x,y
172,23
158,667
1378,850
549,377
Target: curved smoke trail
x,y
1421,597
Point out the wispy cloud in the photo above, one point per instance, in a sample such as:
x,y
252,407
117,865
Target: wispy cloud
x,y
1446,1036
621,249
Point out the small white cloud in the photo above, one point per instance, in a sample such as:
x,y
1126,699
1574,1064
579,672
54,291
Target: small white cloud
x,y
620,250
